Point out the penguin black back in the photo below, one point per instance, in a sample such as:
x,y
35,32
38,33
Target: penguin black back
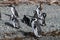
x,y
26,20
16,13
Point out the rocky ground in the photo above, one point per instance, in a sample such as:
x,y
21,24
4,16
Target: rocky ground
x,y
50,32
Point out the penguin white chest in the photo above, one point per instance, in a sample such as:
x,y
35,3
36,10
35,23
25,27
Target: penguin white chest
x,y
32,26
12,10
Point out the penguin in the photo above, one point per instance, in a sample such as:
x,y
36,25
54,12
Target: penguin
x,y
26,20
36,29
14,17
40,15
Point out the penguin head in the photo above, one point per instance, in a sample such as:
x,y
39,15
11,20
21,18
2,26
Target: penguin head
x,y
34,19
44,15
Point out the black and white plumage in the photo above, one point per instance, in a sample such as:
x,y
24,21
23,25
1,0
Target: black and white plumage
x,y
36,27
37,21
26,20
38,10
13,10
14,17
42,19
40,15
13,22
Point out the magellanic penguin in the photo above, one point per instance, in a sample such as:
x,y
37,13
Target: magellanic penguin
x,y
36,24
13,17
41,15
36,27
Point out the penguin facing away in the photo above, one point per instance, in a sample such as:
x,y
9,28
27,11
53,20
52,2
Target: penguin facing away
x,y
26,20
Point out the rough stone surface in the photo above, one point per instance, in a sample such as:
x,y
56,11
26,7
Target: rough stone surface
x,y
52,21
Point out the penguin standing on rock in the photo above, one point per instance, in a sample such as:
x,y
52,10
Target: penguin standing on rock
x,y
37,21
36,27
14,17
41,15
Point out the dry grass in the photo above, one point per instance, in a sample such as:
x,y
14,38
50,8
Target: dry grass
x,y
53,33
16,38
49,2
31,35
34,2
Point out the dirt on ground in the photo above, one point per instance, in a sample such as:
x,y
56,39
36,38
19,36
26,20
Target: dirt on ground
x,y
50,32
